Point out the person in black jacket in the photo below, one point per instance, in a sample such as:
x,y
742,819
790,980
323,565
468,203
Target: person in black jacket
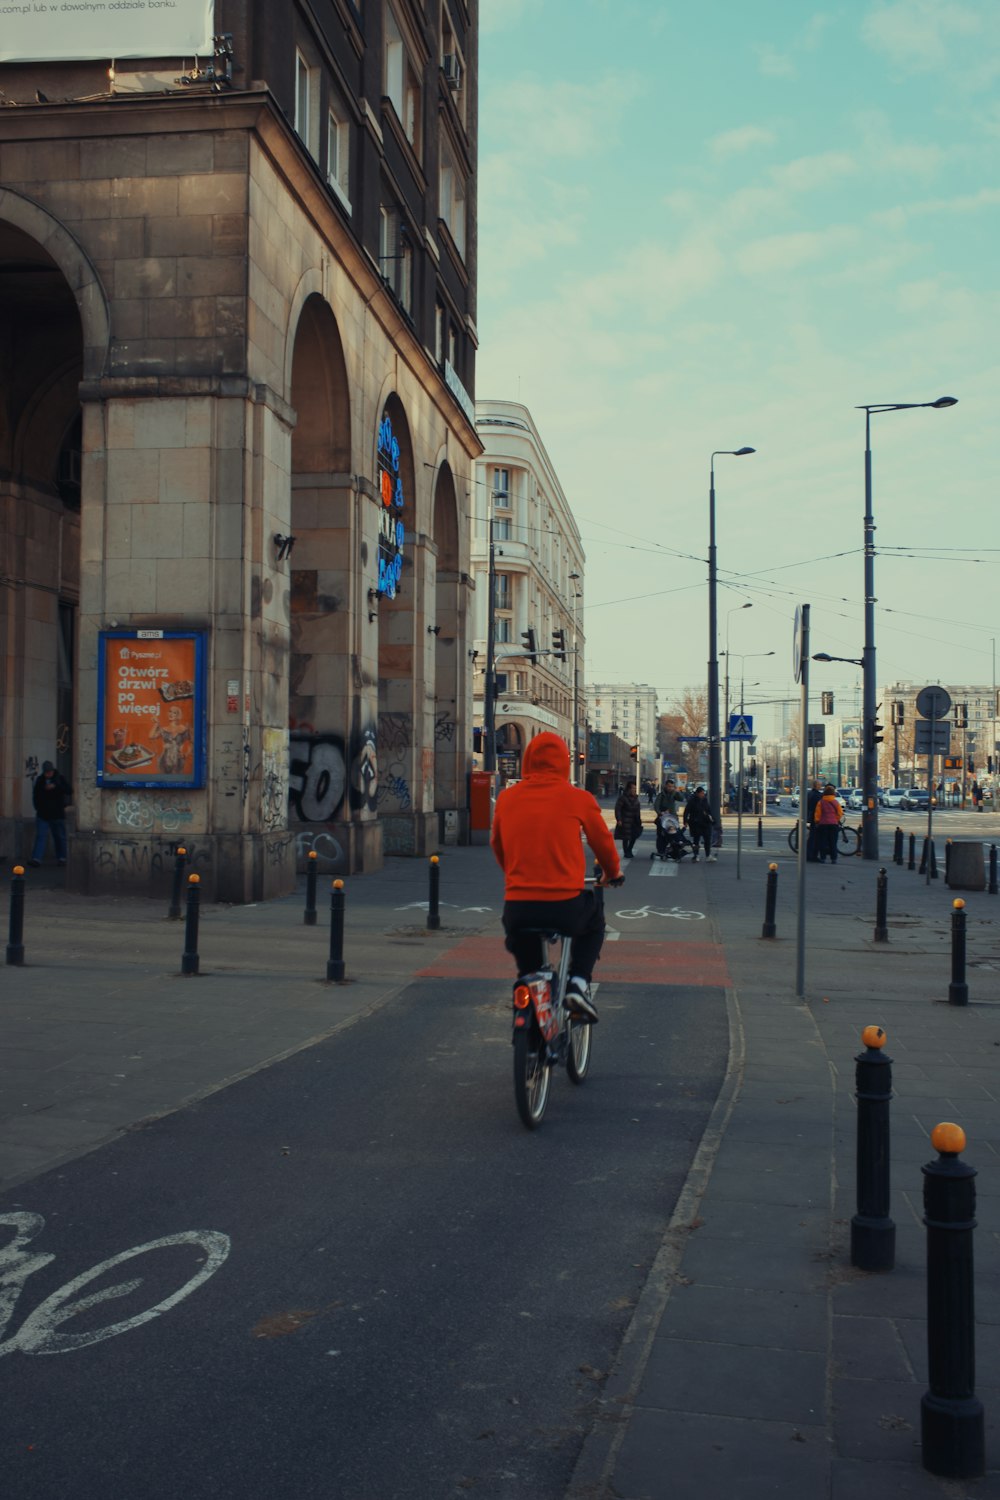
x,y
699,818
51,797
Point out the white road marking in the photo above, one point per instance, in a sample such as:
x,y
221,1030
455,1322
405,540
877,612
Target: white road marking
x,y
663,867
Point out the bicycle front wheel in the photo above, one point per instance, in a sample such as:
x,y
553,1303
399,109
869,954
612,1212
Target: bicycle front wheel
x,y
793,838
849,840
532,1078
578,1055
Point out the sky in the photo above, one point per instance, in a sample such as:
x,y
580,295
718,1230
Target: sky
x,y
726,224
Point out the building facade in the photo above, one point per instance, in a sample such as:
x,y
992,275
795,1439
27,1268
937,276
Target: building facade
x,y
627,709
538,570
974,744
237,344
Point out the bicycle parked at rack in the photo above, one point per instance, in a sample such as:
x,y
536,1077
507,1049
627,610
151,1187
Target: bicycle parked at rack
x,y
848,840
546,1033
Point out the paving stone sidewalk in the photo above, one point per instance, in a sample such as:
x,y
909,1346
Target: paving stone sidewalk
x,y
759,1362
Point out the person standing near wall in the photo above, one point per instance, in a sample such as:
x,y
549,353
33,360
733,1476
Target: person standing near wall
x,y
50,795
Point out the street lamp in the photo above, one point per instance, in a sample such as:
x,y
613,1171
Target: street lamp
x,y
869,745
714,743
577,594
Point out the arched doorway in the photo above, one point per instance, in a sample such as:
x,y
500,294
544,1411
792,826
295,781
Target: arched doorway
x,y
322,717
510,750
42,358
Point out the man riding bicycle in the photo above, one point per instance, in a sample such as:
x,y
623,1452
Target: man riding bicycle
x,y
536,839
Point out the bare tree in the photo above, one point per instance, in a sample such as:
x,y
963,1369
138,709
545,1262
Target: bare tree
x,y
691,710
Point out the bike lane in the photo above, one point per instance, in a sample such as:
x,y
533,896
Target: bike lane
x,y
419,1297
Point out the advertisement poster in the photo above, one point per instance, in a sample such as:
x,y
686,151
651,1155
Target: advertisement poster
x,y
61,30
151,708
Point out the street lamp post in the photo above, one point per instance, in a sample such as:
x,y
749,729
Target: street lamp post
x,y
714,741
725,695
869,744
577,595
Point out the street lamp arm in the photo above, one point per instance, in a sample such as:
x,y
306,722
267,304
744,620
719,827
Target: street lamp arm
x,y
854,661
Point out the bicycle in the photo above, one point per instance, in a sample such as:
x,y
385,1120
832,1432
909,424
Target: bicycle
x,y
848,840
546,1034
636,913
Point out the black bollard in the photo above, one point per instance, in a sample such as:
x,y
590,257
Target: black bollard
x,y
928,854
433,915
958,990
912,861
947,861
760,833
174,909
335,965
951,1415
769,928
15,940
189,958
993,869
881,901
873,1234
309,915
897,847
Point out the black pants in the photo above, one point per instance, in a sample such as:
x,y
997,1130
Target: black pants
x,y
829,833
701,833
628,842
581,916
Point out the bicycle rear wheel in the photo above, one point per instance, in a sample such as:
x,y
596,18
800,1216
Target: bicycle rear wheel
x,y
578,1053
793,838
849,840
532,1079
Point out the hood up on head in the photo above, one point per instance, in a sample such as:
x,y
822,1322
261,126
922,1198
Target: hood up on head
x,y
546,755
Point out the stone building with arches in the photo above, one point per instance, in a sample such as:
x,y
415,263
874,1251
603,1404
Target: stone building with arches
x,y
237,342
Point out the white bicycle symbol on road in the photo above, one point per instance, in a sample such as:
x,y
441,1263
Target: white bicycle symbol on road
x,y
636,913
39,1333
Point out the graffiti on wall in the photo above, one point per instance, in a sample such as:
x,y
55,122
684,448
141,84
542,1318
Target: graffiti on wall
x,y
364,769
142,814
273,781
395,734
317,776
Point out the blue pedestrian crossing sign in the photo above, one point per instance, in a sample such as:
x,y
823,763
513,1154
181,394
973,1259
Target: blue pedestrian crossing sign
x,y
741,726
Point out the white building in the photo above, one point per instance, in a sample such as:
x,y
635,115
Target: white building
x,y
629,710
539,587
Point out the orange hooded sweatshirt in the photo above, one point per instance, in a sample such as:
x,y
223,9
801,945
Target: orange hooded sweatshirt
x,y
537,825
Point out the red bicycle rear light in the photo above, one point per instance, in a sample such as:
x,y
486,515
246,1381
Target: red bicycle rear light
x,y
522,997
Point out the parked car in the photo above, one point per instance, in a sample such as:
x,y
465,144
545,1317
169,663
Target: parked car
x,y
855,799
891,796
915,799
773,796
844,796
794,798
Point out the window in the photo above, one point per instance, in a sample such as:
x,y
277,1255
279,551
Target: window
x,y
502,631
338,152
396,256
306,100
452,63
452,198
501,487
502,596
401,81
501,529
440,323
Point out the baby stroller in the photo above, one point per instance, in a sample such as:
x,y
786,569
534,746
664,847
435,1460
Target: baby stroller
x,y
671,840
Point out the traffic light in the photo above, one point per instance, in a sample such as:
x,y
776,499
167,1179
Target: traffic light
x,y
961,716
874,733
559,645
898,712
581,756
828,703
634,751
530,644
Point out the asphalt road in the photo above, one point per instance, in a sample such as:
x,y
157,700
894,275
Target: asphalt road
x,y
418,1298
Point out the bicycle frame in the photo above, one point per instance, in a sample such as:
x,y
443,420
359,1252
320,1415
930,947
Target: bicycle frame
x,y
541,997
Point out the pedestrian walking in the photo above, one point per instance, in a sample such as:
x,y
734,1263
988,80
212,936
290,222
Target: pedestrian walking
x,y
828,817
628,816
666,804
812,840
977,796
699,819
50,795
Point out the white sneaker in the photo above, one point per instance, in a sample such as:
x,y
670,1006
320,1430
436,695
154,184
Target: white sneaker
x,y
712,859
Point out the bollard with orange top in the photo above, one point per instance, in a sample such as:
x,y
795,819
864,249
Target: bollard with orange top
x,y
335,963
309,915
951,1415
873,1233
433,914
189,958
769,928
174,909
958,990
15,939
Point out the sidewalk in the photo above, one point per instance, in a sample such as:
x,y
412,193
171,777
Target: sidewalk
x,y
759,1363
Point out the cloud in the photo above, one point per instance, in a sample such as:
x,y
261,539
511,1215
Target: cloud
x,y
965,203
921,35
564,119
743,138
772,63
787,252
810,172
502,15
